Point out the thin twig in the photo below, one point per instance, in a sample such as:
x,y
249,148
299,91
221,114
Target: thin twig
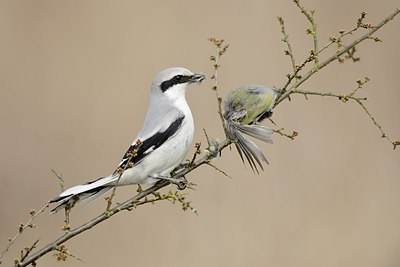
x,y
313,31
197,146
120,171
290,136
342,97
338,40
28,250
60,178
63,254
171,197
218,169
207,138
285,39
336,56
22,228
394,143
359,100
220,51
360,24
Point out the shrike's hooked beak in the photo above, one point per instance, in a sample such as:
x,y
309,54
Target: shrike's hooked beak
x,y
197,78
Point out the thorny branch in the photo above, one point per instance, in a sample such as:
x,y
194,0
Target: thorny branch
x,y
359,100
347,50
313,31
220,51
289,51
60,178
22,227
151,195
344,49
127,205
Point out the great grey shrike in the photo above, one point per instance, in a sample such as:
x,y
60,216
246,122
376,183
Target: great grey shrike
x,y
159,147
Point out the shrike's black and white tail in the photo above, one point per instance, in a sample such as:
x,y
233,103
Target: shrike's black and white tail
x,y
83,193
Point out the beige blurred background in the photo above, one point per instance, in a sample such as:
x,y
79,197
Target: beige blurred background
x,y
74,81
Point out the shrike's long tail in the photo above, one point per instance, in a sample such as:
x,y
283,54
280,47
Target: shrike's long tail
x,y
83,193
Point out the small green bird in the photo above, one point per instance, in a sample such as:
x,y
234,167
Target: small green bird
x,y
244,108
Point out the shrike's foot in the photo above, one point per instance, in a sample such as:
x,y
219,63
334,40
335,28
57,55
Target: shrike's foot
x,y
180,182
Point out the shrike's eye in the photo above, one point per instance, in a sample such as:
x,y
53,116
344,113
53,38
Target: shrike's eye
x,y
177,79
